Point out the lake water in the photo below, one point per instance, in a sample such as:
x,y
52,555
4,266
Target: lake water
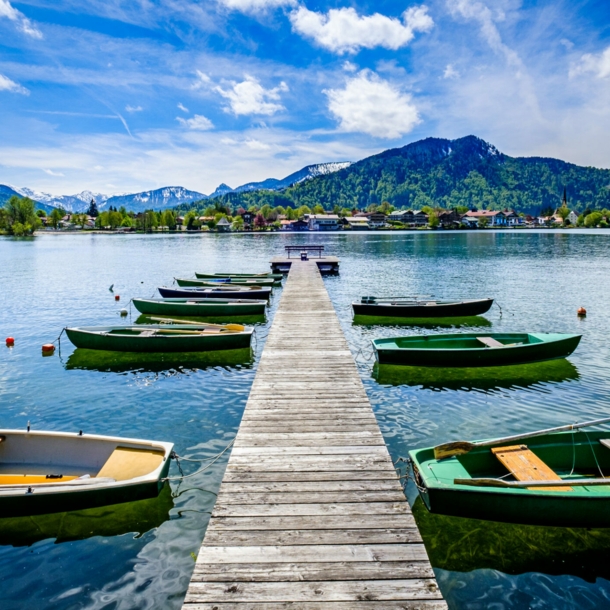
x,y
140,555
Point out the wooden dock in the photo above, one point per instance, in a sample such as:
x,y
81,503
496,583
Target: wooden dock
x,y
310,513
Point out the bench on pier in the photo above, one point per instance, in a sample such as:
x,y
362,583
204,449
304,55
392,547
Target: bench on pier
x,y
306,249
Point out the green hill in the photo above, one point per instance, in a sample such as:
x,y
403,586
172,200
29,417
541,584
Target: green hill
x,y
444,173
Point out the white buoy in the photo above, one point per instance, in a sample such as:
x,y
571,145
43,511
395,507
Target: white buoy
x,y
123,312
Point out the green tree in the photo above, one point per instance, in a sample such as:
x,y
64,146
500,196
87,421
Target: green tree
x,y
593,219
483,222
114,219
303,210
291,213
127,222
238,223
563,213
21,218
55,217
41,213
433,220
318,209
168,219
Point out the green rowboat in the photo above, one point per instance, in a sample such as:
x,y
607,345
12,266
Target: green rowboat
x,y
275,276
227,282
517,482
474,349
200,307
161,338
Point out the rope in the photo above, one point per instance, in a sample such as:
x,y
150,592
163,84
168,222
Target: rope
x,y
186,476
594,456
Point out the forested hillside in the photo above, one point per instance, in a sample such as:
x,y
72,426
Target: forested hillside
x,y
443,173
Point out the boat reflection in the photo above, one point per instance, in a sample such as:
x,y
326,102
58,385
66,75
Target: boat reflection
x,y
461,545
245,320
462,322
115,520
480,378
119,362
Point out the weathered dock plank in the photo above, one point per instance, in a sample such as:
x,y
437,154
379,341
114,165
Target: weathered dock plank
x,y
310,513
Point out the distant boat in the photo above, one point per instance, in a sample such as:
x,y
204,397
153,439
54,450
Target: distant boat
x,y
47,472
200,307
222,292
420,308
161,337
474,349
275,276
227,281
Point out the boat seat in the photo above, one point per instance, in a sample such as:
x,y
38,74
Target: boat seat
x,y
147,333
605,442
127,463
525,465
490,342
33,479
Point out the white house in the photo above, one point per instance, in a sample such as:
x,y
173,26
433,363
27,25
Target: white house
x,y
323,222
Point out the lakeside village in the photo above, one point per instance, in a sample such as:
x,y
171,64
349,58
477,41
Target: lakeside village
x,y
19,216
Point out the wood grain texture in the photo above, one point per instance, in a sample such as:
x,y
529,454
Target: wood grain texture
x,y
310,513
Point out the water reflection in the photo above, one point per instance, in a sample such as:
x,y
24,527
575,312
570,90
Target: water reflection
x,y
132,517
180,362
482,378
462,322
462,545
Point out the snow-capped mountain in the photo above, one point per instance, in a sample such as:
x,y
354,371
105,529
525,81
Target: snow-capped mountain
x,y
160,199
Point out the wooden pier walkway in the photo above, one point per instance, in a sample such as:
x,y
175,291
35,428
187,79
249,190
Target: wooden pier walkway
x,y
310,513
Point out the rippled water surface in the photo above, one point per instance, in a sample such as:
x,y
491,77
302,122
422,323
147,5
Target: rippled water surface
x,y
139,555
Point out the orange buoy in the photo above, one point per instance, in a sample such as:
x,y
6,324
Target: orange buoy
x,y
48,348
582,312
117,297
10,341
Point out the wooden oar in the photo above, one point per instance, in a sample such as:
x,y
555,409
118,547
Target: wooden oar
x,y
460,447
528,484
237,327
174,331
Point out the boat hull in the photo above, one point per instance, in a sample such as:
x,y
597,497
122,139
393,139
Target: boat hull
x,y
275,276
227,281
445,350
440,310
580,507
215,293
57,452
200,307
99,338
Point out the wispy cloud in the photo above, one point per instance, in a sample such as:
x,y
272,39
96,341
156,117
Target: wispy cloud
x,y
345,31
597,64
369,104
6,84
255,6
450,72
182,107
22,22
52,173
197,122
129,108
250,97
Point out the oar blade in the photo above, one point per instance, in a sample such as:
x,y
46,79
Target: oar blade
x,y
454,448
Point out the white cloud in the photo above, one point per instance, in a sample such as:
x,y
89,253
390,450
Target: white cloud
x,y
369,104
477,11
198,122
202,79
450,72
598,64
344,31
182,107
250,97
6,84
253,144
255,6
52,173
133,108
24,24
348,66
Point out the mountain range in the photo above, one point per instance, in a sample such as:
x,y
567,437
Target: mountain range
x,y
465,172
160,199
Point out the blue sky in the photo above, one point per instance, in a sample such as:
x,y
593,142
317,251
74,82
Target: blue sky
x,y
127,95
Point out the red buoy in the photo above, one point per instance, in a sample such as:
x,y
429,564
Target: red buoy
x,y
10,341
117,297
48,348
582,312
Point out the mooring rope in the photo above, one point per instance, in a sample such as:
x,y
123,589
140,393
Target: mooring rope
x,y
213,459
